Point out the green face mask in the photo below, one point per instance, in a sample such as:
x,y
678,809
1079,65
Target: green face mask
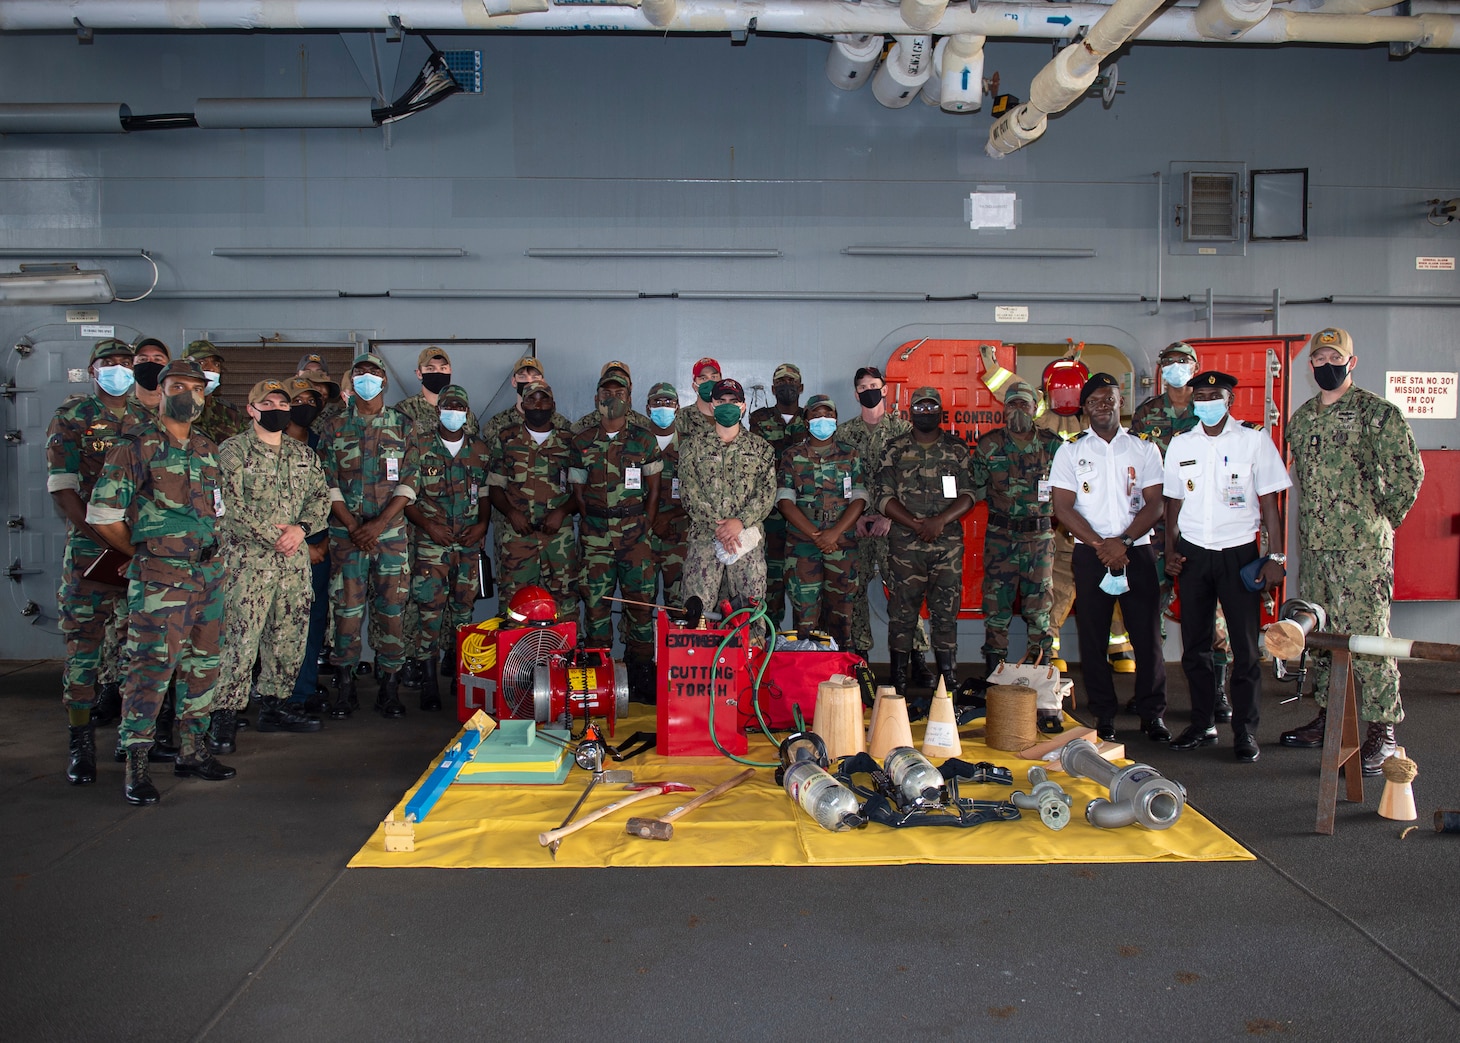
x,y
727,414
706,390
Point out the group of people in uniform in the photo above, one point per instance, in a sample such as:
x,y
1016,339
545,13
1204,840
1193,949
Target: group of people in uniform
x,y
208,546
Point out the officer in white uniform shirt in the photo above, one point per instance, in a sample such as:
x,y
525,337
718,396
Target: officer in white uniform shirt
x,y
1107,492
1222,481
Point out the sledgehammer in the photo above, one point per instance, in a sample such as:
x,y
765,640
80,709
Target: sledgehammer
x,y
645,790
662,828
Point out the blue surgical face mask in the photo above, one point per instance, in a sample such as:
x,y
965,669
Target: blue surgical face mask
x,y
453,419
367,385
663,416
1177,374
1114,584
214,379
822,427
1210,413
115,380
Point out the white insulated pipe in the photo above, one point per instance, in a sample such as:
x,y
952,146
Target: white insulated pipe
x,y
851,59
960,73
1065,79
904,71
1229,19
660,12
922,15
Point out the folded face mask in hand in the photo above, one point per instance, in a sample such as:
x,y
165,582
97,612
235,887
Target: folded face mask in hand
x,y
1115,583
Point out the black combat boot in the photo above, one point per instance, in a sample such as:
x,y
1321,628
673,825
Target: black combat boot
x,y
82,769
346,700
108,707
991,662
448,662
275,715
1379,745
1223,712
1309,736
387,700
899,661
947,670
163,747
223,732
919,676
139,788
410,673
430,690
643,684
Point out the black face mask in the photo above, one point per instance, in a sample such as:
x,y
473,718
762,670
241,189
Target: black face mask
x,y
538,419
786,394
274,420
870,398
303,415
435,382
926,422
147,374
1330,378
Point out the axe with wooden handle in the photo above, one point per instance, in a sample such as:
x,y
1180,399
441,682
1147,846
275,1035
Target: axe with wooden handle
x,y
552,836
662,828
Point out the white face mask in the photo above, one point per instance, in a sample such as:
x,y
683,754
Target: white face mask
x,y
1178,374
213,381
1114,585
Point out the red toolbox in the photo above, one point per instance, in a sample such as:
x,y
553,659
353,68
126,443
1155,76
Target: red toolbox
x,y
685,661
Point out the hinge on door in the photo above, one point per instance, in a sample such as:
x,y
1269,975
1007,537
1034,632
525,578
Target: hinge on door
x,y
1274,364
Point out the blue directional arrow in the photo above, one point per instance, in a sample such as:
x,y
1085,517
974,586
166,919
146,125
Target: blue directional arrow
x,y
965,79
1063,19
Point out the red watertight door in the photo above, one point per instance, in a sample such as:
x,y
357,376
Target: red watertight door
x,y
970,409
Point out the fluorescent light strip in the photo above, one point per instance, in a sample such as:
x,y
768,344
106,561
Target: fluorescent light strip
x,y
590,253
1052,252
339,251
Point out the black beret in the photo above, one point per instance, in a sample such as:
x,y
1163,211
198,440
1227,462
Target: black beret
x,y
1095,383
1212,379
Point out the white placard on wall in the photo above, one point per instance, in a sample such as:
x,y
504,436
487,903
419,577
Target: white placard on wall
x,y
1422,396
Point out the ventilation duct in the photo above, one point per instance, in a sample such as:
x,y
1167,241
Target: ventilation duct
x,y
1210,207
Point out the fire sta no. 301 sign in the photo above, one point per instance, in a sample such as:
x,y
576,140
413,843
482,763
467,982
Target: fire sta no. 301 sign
x,y
1422,396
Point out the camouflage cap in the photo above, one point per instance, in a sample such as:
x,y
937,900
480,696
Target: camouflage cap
x,y
313,359
613,378
183,367
264,388
1335,338
1018,390
1179,348
926,394
664,387
452,393
429,353
202,349
528,362
820,400
536,386
368,357
787,369
623,367
111,348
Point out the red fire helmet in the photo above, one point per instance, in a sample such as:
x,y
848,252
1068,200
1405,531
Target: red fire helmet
x,y
1063,379
533,606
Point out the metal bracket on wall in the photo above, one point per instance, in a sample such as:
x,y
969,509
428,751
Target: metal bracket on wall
x,y
13,437
15,571
740,37
15,521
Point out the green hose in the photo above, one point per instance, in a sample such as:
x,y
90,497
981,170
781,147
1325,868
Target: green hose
x,y
753,613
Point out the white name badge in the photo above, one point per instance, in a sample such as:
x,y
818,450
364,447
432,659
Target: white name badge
x,y
392,469
950,487
1085,467
847,487
674,488
475,492
1044,489
217,503
633,477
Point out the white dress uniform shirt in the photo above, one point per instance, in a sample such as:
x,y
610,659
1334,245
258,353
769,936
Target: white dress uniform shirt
x,y
1218,479
1107,478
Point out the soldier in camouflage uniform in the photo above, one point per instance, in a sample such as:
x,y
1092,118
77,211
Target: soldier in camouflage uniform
x,y
274,497
528,479
614,473
590,419
698,418
782,425
821,492
1011,471
370,483
314,369
1358,473
449,523
926,488
870,432
81,434
221,419
159,499
309,696
728,483
671,523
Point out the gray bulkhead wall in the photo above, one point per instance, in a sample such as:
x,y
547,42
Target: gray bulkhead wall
x,y
618,141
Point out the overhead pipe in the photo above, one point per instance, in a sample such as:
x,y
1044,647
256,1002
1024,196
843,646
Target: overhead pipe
x,y
922,15
1229,19
1066,79
904,71
660,12
850,61
960,73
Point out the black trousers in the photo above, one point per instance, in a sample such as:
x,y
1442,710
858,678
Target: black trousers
x,y
1209,577
1141,608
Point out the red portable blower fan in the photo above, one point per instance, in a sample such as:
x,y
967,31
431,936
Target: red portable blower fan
x,y
579,684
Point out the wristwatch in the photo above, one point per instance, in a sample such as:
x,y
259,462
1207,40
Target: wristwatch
x,y
1129,541
1281,559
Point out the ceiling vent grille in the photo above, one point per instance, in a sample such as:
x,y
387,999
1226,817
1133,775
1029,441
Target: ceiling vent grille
x,y
1211,207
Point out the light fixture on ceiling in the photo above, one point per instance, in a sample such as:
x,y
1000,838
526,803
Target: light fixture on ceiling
x,y
55,284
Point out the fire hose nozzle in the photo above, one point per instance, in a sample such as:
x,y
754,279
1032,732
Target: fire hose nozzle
x,y
1046,797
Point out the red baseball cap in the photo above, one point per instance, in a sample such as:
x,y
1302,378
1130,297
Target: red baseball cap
x,y
705,363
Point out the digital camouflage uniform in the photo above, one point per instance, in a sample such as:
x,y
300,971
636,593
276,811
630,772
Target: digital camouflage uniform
x,y
770,424
450,490
613,531
719,480
668,551
92,615
823,482
913,474
1018,543
170,496
534,479
267,598
366,466
1358,472
871,440
221,419
689,421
